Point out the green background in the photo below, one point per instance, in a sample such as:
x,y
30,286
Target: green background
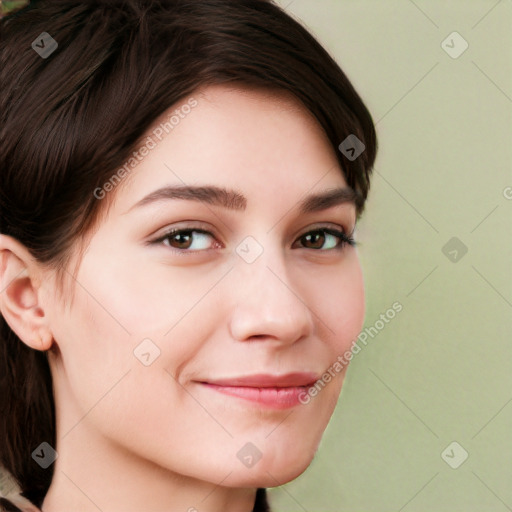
x,y
441,370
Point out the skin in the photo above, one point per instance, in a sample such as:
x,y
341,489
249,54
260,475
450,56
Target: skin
x,y
133,437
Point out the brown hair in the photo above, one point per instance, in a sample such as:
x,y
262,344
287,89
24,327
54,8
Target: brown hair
x,y
69,120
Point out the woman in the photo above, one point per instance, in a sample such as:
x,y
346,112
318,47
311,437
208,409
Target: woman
x,y
180,186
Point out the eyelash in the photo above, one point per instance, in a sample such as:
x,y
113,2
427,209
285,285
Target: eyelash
x,y
341,235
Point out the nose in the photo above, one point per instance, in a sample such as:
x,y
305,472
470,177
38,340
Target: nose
x,y
269,304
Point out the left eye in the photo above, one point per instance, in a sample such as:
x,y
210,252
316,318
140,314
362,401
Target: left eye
x,y
327,235
184,239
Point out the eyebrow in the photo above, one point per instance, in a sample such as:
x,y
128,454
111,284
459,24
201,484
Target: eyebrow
x,y
233,200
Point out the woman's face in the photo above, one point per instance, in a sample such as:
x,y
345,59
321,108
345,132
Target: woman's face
x,y
168,342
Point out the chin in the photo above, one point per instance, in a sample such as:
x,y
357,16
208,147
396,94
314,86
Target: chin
x,y
272,473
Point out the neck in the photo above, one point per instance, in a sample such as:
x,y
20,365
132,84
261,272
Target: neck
x,y
91,473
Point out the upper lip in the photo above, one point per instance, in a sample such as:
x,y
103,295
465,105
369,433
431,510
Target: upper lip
x,y
262,380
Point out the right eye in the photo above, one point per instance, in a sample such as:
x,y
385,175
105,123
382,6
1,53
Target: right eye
x,y
183,240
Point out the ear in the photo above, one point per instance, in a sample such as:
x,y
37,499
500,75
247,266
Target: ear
x,y
20,280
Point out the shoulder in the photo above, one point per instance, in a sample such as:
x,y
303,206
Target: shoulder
x,y
17,504
11,499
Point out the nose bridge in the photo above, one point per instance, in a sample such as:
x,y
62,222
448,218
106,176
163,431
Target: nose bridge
x,y
267,303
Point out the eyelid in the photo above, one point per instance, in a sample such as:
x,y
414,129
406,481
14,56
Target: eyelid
x,y
327,225
185,225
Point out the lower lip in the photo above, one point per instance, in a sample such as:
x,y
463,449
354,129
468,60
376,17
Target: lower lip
x,y
274,398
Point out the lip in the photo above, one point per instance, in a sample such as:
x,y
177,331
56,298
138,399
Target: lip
x,y
272,391
263,380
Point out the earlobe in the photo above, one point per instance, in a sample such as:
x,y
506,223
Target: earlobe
x,y
19,298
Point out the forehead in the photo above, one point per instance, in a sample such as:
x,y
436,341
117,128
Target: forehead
x,y
265,142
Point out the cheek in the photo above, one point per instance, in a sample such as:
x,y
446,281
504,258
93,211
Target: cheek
x,y
118,304
147,295
341,304
103,384
94,346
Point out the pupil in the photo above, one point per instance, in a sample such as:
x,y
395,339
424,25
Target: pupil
x,y
319,238
181,238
